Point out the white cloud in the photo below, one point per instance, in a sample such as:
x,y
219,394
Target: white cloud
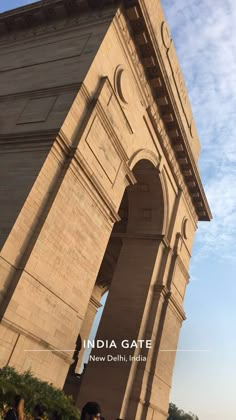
x,y
204,33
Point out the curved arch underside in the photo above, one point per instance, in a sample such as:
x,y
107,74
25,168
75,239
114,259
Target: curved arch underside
x,y
142,213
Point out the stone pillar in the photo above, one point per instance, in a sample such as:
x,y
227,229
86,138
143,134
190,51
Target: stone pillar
x,y
73,379
148,396
148,389
123,319
89,318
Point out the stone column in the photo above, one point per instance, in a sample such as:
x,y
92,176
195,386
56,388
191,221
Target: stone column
x,y
150,389
123,318
73,379
89,318
147,393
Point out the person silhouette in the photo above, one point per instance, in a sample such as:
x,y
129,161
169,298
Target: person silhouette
x,y
17,412
91,411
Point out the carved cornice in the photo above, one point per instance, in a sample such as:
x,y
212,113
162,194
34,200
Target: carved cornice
x,y
154,114
163,109
47,12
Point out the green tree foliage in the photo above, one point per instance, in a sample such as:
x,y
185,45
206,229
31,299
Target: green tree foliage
x,y
35,391
176,413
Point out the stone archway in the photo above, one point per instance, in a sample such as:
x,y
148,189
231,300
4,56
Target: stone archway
x,y
128,270
109,106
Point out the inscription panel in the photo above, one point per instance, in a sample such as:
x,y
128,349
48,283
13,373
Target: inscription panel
x,y
103,149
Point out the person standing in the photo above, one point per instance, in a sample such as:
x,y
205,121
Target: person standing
x,y
17,412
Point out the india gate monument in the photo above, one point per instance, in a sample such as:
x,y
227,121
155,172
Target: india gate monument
x,y
100,192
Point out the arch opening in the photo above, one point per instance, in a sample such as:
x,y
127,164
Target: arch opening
x,y
125,275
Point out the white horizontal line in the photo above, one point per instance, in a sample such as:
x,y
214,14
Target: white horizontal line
x,y
163,350
45,350
188,350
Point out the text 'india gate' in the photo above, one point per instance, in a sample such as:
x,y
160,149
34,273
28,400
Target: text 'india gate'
x,y
100,191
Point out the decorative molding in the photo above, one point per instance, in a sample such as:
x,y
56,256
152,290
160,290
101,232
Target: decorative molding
x,y
177,308
44,17
27,141
107,123
98,108
178,245
123,33
185,228
105,83
177,257
39,93
103,149
95,303
120,90
145,154
167,295
163,108
183,269
140,236
152,110
36,110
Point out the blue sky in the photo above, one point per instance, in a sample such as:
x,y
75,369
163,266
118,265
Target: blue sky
x,y
204,33
12,4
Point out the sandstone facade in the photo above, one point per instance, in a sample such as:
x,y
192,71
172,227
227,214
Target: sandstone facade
x,y
100,190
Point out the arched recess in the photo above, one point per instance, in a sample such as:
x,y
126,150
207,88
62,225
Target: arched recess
x,y
144,154
127,272
149,155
